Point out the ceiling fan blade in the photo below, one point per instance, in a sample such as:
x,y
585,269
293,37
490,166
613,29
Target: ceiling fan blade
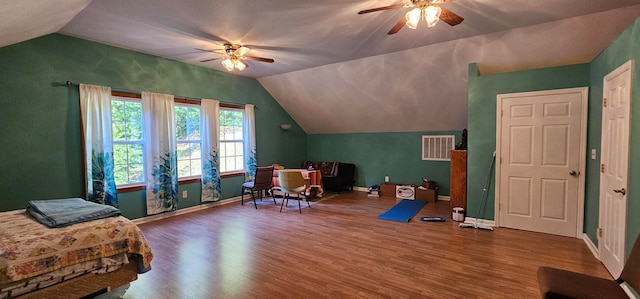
x,y
241,51
212,59
380,8
269,60
450,17
214,51
398,26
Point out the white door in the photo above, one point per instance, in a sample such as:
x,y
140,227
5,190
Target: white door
x,y
541,141
613,172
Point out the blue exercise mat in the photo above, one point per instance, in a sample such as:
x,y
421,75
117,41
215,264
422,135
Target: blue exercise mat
x,y
403,211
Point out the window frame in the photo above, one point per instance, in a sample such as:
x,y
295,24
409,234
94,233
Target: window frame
x,y
184,103
126,142
237,172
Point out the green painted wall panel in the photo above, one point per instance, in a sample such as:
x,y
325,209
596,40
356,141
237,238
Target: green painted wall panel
x,y
40,117
483,92
625,47
376,155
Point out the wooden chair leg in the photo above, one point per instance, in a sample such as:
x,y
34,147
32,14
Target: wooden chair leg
x,y
299,208
284,197
273,196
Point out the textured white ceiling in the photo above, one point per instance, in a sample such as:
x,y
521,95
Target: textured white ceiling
x,y
336,71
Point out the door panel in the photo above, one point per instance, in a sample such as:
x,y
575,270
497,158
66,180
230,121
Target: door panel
x,y
614,169
540,140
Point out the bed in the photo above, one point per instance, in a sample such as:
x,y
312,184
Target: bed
x,y
68,262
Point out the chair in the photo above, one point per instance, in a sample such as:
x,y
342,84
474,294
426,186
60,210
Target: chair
x,y
557,283
262,181
292,182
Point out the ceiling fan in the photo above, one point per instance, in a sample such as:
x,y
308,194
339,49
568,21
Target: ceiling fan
x,y
430,10
233,57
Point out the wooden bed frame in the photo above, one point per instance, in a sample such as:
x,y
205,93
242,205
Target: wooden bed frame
x,y
88,284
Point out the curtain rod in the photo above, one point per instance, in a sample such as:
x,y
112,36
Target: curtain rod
x,y
175,97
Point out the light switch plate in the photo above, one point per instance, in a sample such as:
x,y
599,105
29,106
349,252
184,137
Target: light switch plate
x,y
593,154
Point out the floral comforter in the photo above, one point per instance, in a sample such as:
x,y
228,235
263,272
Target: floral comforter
x,y
28,248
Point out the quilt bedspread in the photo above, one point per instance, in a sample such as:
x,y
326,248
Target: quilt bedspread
x,y
28,248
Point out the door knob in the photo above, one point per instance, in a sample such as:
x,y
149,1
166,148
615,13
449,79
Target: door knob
x,y
622,191
573,172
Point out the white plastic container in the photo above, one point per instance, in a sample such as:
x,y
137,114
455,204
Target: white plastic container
x,y
458,214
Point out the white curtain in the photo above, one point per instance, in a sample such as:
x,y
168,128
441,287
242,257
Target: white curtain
x,y
250,144
209,129
160,152
95,106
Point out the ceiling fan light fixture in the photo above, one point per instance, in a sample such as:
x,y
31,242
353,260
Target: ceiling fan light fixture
x,y
240,65
413,17
228,64
432,15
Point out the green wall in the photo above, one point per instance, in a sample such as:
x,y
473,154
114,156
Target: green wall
x,y
40,116
376,155
625,47
483,92
482,123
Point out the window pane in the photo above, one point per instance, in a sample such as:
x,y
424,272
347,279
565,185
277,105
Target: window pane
x,y
196,167
239,149
229,148
118,130
133,110
136,173
239,165
195,151
117,111
193,131
135,153
183,168
237,133
134,130
230,163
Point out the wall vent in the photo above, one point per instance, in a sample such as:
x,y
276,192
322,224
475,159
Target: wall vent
x,y
438,147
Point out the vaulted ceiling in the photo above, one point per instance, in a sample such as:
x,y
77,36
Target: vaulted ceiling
x,y
336,71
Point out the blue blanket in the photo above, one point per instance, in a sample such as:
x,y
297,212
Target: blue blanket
x,y
63,212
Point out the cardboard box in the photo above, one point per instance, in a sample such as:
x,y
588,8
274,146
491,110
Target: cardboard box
x,y
406,192
428,194
388,189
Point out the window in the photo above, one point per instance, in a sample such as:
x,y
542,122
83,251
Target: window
x,y
188,140
231,140
128,140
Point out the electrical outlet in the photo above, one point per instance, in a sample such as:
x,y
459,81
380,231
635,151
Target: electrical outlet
x,y
184,194
386,178
593,154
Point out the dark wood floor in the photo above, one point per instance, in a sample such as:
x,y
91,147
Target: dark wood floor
x,y
339,249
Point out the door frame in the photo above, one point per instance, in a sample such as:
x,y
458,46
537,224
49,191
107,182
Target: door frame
x,y
584,91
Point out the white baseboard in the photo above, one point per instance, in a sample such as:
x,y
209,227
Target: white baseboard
x,y
363,189
483,222
185,210
594,249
